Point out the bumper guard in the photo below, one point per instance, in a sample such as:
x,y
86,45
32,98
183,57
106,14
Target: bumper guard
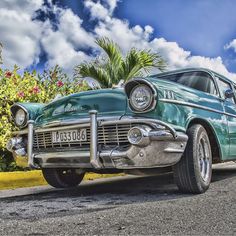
x,y
163,146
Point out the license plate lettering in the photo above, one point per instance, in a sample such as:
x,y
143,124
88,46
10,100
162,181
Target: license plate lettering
x,y
69,136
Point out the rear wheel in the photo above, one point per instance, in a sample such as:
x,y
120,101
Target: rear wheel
x,y
62,178
193,172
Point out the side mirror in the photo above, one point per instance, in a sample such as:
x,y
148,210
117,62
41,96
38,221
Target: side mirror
x,y
229,93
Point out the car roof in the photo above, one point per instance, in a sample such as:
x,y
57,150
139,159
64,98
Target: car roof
x,y
194,69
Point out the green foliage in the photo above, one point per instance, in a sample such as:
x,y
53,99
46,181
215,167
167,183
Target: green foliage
x,y
28,87
114,67
0,53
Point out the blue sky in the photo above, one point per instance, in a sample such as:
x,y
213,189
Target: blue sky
x,y
39,34
202,26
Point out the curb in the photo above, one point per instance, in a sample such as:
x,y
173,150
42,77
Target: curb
x,y
22,179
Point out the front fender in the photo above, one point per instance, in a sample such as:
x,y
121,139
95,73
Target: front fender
x,y
33,110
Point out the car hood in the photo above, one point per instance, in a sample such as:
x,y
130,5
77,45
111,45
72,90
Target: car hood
x,y
108,102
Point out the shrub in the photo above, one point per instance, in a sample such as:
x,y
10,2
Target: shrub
x,y
28,87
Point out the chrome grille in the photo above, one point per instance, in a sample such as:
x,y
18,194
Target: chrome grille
x,y
108,135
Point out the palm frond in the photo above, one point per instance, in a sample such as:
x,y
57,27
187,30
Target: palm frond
x,y
150,59
111,69
138,61
90,70
114,55
111,49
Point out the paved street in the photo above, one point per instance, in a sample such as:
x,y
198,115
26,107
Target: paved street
x,y
123,205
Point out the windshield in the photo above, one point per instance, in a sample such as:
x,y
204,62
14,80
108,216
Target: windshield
x,y
197,80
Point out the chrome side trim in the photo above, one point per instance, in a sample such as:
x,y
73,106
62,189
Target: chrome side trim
x,y
193,105
228,114
94,158
196,106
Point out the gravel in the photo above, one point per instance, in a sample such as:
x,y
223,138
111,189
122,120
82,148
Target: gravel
x,y
123,206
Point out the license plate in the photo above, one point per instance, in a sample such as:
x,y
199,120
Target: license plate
x,y
69,136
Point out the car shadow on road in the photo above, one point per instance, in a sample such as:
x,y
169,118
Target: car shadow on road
x,y
220,172
159,187
100,195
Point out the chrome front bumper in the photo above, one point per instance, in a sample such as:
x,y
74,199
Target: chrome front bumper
x,y
164,147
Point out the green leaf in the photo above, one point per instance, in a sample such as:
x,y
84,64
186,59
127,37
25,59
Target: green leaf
x,y
112,68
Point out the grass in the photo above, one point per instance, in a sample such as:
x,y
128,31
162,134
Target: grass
x,y
21,179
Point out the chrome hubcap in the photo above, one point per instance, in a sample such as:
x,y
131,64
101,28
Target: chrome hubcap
x,y
204,159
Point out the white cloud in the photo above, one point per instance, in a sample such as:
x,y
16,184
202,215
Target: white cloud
x,y
63,46
97,10
139,37
61,52
231,45
112,5
70,27
25,6
20,35
101,11
23,38
177,57
123,34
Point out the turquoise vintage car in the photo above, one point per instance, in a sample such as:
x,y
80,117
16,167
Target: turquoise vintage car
x,y
184,119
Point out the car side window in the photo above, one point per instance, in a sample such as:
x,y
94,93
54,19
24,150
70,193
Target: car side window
x,y
197,80
223,86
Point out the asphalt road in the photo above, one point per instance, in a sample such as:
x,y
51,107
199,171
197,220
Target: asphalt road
x,y
123,205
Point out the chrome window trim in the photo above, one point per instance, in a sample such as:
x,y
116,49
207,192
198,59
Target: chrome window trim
x,y
189,71
231,87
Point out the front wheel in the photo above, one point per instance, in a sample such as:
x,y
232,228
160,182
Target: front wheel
x,y
62,178
193,172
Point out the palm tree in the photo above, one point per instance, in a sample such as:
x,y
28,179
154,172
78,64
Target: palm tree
x,y
113,68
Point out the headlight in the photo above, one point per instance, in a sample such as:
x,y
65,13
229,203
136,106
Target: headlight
x,y
134,135
20,117
139,136
141,98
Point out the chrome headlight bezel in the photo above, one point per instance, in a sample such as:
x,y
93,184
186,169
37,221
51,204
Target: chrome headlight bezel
x,y
135,83
141,98
138,135
18,110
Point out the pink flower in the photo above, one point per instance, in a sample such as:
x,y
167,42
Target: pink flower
x,y
60,83
21,94
36,90
8,74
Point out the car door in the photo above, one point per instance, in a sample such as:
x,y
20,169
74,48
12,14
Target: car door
x,y
230,112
